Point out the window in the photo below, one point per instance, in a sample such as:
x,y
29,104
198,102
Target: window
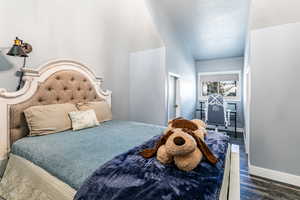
x,y
226,84
225,88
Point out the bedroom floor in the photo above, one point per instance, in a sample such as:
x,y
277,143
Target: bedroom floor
x,y
255,188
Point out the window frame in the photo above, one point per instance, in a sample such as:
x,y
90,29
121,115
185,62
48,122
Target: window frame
x,y
239,85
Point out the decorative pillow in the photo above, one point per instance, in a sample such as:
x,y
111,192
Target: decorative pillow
x,y
83,119
101,108
47,119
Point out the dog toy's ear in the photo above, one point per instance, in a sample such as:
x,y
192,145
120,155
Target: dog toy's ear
x,y
173,120
206,151
149,153
184,124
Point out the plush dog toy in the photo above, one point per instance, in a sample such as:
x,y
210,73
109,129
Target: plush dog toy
x,y
183,143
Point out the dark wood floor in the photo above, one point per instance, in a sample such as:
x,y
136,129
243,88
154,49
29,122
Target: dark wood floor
x,y
256,188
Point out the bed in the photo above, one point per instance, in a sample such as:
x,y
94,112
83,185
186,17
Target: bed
x,y
56,165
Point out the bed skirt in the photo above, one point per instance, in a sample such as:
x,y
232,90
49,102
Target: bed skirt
x,y
24,180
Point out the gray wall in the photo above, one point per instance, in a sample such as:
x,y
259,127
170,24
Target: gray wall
x,y
229,64
179,59
147,91
101,34
275,108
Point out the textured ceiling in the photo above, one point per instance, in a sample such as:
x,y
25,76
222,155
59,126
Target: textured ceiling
x,y
209,28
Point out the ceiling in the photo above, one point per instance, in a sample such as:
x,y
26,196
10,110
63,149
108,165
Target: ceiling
x,y
210,29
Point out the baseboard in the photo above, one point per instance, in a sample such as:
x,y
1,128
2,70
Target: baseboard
x,y
239,130
275,175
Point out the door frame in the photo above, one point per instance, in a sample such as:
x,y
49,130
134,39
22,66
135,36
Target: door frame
x,y
178,96
247,104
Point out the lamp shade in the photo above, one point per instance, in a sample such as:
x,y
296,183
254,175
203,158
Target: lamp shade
x,y
17,51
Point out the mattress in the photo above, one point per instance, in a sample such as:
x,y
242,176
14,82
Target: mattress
x,y
74,156
25,180
129,176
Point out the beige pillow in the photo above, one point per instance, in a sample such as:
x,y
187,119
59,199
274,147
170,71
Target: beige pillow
x,y
102,109
83,119
49,119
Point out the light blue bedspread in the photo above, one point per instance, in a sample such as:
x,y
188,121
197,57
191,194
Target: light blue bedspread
x,y
72,156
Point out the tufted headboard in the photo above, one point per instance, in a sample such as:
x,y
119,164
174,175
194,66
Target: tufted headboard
x,y
61,87
54,83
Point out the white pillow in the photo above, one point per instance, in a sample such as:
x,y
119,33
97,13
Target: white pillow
x,y
83,119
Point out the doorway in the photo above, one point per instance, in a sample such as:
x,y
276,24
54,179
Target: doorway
x,y
173,96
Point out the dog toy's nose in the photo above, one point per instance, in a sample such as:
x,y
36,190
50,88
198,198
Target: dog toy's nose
x,y
179,141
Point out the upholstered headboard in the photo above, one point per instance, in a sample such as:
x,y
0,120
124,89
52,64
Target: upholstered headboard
x,y
55,82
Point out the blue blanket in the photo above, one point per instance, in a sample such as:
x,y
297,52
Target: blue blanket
x,y
129,176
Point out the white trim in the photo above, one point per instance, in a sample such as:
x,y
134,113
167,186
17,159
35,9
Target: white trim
x,y
239,130
175,75
178,96
247,104
220,72
234,185
275,175
238,98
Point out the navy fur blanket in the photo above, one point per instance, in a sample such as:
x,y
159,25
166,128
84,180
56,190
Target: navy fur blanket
x,y
129,176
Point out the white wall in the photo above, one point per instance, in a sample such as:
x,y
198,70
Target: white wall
x,y
147,86
179,59
275,108
266,13
101,34
223,65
